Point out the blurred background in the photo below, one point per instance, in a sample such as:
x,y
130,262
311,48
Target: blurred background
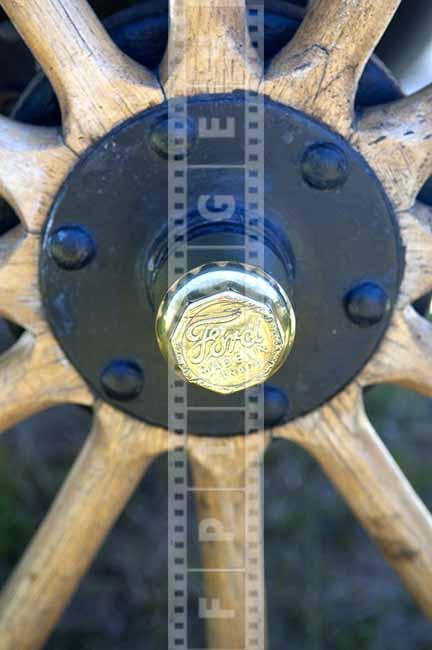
x,y
328,587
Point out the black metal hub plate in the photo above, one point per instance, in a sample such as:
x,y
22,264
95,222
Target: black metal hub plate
x,y
319,245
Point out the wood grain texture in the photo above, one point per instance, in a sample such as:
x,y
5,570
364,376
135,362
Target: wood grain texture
x,y
404,356
35,375
20,299
396,140
209,49
217,465
352,455
416,233
319,70
222,511
33,164
97,85
109,467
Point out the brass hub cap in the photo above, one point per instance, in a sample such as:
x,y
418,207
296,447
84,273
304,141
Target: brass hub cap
x,y
226,326
109,256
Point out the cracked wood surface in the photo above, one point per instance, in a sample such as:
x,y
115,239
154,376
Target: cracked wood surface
x,y
20,300
396,140
209,49
33,164
97,85
35,375
112,462
222,522
416,233
343,441
319,70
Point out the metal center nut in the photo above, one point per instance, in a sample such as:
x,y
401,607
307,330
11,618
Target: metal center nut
x,y
226,326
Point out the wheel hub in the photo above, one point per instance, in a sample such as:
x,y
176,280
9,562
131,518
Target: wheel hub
x,y
329,239
226,326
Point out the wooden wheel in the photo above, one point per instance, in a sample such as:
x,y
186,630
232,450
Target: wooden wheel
x,y
99,88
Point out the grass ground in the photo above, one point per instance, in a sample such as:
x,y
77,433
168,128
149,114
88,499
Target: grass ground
x,y
328,587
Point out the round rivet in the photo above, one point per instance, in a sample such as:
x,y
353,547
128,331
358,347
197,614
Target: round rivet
x,y
367,304
71,247
325,167
122,380
172,137
276,406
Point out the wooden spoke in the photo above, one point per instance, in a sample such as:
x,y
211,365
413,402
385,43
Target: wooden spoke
x,y
405,356
34,375
396,139
351,453
209,49
223,532
19,291
97,85
33,164
416,230
112,462
319,70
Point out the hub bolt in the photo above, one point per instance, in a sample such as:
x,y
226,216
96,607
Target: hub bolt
x,y
122,380
276,406
367,304
173,137
71,247
325,167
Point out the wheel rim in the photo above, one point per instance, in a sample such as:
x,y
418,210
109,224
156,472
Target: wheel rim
x,y
99,88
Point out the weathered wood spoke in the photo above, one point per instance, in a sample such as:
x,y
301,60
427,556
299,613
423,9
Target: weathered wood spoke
x,y
112,462
218,465
416,231
351,453
20,299
34,375
319,70
33,164
97,85
209,49
405,355
396,139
